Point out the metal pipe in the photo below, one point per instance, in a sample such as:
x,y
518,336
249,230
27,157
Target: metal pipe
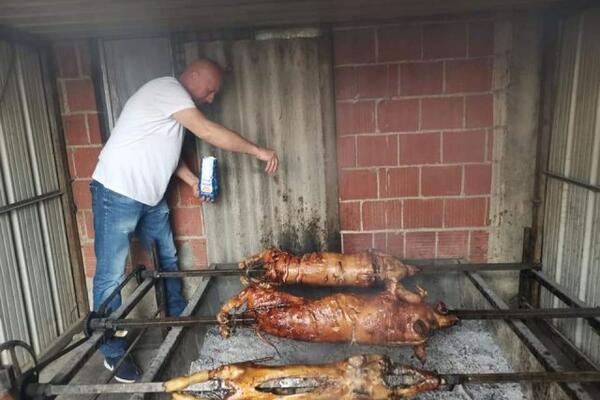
x,y
153,368
117,290
522,377
122,324
529,339
230,269
557,338
533,313
30,201
486,267
112,388
449,379
86,350
465,314
562,293
573,181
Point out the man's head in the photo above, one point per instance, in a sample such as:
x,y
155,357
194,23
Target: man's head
x,y
202,79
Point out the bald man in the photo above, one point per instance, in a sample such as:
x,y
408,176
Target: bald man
x,y
131,178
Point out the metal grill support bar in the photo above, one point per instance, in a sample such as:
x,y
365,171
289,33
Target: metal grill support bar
x,y
529,339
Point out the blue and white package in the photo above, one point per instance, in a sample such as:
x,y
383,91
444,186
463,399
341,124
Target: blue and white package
x,y
209,178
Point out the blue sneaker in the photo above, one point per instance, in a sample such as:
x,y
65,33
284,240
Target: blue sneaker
x,y
128,372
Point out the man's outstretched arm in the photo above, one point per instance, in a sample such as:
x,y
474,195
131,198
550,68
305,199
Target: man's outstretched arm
x,y
223,138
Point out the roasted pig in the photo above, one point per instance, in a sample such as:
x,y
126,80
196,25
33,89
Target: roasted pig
x,y
357,378
278,267
369,319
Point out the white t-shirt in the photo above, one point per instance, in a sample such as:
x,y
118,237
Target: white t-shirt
x,y
145,145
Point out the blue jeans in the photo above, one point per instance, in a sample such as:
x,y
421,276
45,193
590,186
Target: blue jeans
x,y
116,219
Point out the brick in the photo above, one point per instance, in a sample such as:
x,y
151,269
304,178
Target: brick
x,y
81,228
75,129
187,196
398,182
442,113
479,246
463,147
478,179
399,43
350,216
358,184
395,244
421,148
421,78
186,221
89,223
89,259
346,151
377,150
139,255
354,46
192,253
94,131
71,161
465,212
479,111
441,181
481,38
372,81
346,85
355,117
444,40
453,244
423,213
81,194
356,242
382,215
469,75
80,95
84,161
490,146
66,60
398,115
393,80
379,240
420,245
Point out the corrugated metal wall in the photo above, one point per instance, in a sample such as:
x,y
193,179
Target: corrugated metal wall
x,y
127,64
572,223
278,93
37,292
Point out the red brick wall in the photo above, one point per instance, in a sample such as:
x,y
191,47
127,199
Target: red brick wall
x,y
414,123
83,139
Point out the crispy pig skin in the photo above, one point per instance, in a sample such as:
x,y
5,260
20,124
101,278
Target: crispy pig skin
x,y
369,319
334,269
358,377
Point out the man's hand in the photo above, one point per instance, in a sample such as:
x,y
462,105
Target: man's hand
x,y
195,185
270,157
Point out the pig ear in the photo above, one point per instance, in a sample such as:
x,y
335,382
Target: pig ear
x,y
441,308
421,328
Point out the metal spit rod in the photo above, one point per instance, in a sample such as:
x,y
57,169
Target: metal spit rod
x,y
449,379
231,269
242,319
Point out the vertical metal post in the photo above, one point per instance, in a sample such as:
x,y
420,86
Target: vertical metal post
x,y
529,289
159,289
